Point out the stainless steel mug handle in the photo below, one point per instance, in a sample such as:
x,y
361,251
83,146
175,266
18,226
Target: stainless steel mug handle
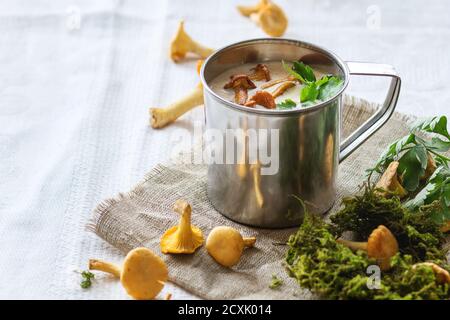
x,y
376,121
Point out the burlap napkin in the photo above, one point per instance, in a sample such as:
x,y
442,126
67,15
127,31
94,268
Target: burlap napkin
x,y
140,217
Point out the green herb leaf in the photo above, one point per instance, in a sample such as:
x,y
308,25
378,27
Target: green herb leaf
x,y
300,71
391,152
287,104
86,281
435,194
305,71
276,282
437,145
412,166
309,92
328,87
436,125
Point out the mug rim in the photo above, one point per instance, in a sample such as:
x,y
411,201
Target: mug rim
x,y
276,112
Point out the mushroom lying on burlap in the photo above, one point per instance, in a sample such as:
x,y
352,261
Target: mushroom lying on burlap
x,y
389,184
183,238
240,83
381,245
268,16
226,244
143,273
183,44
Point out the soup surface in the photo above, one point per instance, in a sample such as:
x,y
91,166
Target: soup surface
x,y
276,72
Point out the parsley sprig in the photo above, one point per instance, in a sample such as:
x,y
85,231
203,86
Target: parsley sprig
x,y
313,89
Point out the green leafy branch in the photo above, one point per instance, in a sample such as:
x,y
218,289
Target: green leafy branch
x,y
412,151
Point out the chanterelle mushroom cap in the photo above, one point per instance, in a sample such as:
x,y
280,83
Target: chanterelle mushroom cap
x,y
260,72
382,245
389,182
248,10
240,83
263,98
225,245
143,274
272,19
182,44
184,238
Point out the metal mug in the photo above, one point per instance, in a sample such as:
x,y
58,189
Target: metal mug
x,y
309,138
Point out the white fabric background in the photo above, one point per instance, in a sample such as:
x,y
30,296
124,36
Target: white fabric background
x,y
73,107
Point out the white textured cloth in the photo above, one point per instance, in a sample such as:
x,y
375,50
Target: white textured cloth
x,y
78,77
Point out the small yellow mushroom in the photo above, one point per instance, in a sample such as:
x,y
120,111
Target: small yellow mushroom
x,y
268,16
226,244
282,88
442,275
182,44
431,167
445,227
381,246
161,117
143,273
389,182
277,81
248,10
184,238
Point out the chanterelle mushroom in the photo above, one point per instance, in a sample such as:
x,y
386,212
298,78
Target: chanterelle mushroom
x,y
442,275
184,238
282,88
262,98
431,167
248,10
268,16
381,246
160,117
240,83
182,44
260,72
226,244
143,273
389,182
277,81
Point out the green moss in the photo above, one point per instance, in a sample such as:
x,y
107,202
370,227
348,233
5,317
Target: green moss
x,y
333,271
417,234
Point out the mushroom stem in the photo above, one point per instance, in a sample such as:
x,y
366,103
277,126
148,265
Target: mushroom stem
x,y
282,88
249,242
184,209
354,245
160,117
104,266
277,81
